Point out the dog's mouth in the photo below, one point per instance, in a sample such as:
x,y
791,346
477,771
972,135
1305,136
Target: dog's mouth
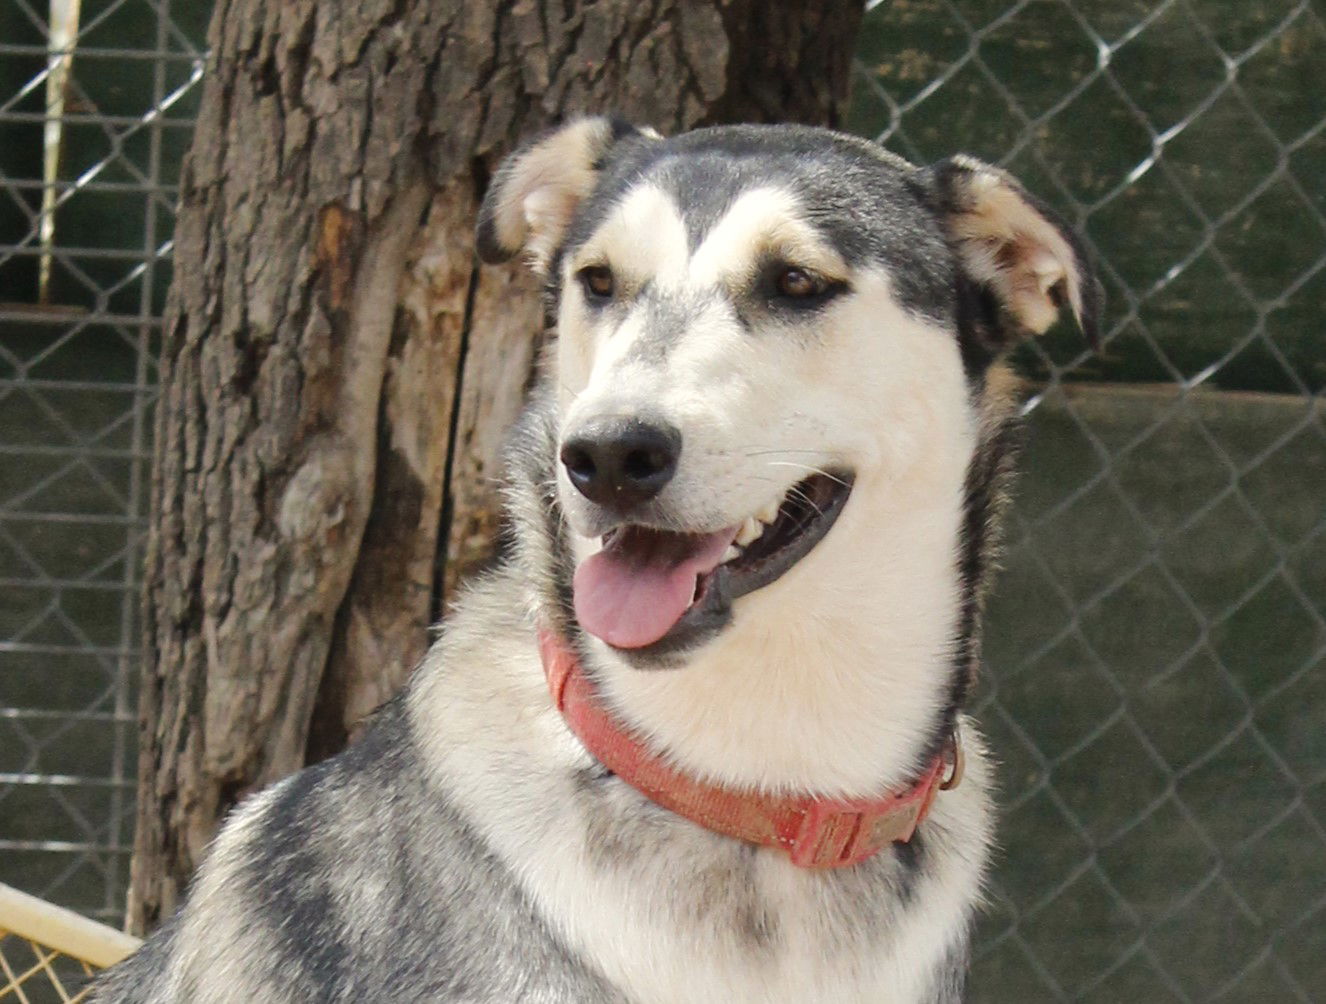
x,y
652,591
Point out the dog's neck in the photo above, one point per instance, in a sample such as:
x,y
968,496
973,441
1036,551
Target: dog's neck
x,y
834,681
814,832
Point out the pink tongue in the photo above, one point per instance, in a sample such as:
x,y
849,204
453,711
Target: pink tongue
x,y
633,591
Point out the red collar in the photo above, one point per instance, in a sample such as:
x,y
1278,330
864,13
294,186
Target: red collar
x,y
815,832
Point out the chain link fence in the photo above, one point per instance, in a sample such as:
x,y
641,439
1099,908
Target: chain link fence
x,y
96,99
1157,643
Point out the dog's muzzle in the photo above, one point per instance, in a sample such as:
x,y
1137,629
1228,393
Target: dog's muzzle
x,y
620,464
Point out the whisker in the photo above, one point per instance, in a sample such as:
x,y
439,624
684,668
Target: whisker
x,y
765,453
795,492
807,467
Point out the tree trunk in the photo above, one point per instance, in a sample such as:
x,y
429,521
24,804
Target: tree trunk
x,y
336,376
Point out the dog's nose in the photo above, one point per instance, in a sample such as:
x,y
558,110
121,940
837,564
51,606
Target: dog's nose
x,y
620,464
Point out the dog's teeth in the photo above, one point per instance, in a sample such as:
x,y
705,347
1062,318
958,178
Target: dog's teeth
x,y
750,529
731,553
768,514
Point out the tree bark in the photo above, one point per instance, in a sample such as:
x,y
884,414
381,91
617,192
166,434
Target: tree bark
x,y
336,376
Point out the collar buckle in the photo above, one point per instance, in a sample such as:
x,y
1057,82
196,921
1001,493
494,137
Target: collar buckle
x,y
828,836
837,833
953,749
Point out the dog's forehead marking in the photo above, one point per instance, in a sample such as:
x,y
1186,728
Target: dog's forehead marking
x,y
762,221
648,238
643,237
870,207
679,266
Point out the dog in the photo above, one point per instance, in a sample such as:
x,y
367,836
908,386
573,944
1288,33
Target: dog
x,y
700,735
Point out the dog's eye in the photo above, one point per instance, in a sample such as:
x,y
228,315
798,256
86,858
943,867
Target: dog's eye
x,y
597,280
799,283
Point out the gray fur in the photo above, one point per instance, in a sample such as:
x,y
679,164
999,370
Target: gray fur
x,y
387,873
358,881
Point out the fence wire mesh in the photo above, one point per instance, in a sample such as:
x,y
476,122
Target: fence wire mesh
x,y
95,111
1156,645
32,972
1157,642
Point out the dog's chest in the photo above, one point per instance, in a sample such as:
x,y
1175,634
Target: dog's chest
x,y
666,910
670,912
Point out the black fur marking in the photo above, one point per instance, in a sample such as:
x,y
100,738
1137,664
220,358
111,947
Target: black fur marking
x,y
911,861
989,476
950,986
425,859
725,899
298,905
866,205
618,130
979,339
624,828
758,927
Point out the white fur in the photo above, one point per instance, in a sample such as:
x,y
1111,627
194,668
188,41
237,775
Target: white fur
x,y
504,752
660,257
761,220
218,915
830,678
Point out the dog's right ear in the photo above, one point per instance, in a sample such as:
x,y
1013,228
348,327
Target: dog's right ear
x,y
534,194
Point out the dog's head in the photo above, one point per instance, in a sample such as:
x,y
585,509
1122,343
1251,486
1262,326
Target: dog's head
x,y
765,334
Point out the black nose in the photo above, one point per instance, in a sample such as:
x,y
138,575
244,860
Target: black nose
x,y
621,463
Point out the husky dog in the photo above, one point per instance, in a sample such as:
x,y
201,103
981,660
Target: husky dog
x,y
753,509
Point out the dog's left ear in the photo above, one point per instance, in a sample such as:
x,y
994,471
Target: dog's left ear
x,y
535,193
1016,247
